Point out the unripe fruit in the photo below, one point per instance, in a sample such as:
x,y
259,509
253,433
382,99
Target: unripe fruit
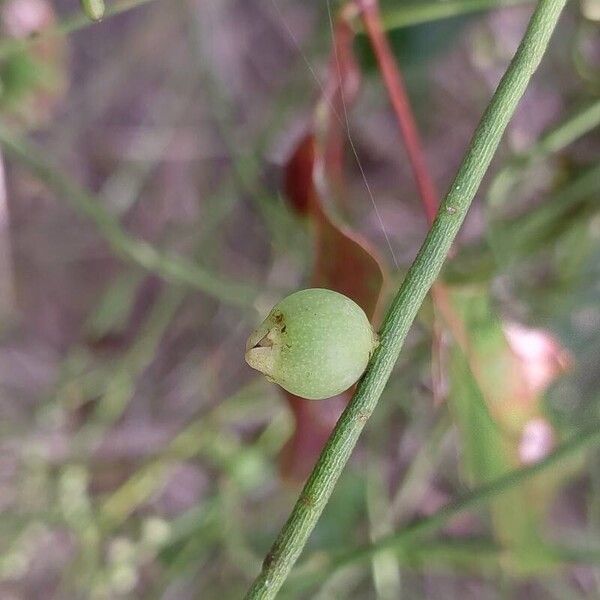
x,y
315,344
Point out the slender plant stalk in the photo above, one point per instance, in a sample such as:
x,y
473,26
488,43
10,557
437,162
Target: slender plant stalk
x,y
170,267
419,279
414,13
7,292
478,496
385,565
400,102
575,126
557,138
410,536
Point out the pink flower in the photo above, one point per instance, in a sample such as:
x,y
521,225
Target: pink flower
x,y
537,441
542,357
21,18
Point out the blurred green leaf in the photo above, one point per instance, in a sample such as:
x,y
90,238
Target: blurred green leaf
x,y
492,404
112,312
396,15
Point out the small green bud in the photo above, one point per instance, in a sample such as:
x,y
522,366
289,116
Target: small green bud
x,y
94,9
315,344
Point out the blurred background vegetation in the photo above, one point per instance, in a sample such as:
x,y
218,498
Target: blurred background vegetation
x,y
145,229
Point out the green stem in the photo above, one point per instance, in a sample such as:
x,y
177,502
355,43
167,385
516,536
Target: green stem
x,y
404,539
575,126
168,266
407,15
419,279
468,555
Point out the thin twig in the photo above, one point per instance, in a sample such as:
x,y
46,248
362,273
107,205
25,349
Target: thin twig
x,y
398,96
405,539
415,13
169,266
575,126
419,279
7,292
409,132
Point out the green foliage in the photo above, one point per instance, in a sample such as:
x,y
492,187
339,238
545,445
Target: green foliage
x,y
482,441
18,74
490,427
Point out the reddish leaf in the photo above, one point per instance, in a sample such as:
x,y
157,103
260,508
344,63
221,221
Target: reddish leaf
x,y
344,262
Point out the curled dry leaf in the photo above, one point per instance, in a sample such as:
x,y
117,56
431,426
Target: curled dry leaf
x,y
344,260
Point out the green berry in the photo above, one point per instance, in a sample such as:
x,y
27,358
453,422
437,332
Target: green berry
x,y
315,344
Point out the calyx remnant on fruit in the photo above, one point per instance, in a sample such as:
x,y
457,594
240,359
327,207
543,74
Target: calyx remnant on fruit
x,y
315,343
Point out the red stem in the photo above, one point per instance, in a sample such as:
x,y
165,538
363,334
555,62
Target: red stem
x,y
396,90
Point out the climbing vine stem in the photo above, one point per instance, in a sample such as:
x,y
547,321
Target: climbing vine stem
x,y
403,310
